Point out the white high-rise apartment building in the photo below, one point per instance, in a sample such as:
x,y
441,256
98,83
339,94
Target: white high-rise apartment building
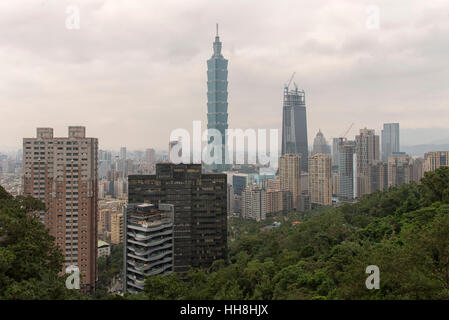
x,y
254,203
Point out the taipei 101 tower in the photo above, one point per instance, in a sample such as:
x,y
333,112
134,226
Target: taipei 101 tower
x,y
217,101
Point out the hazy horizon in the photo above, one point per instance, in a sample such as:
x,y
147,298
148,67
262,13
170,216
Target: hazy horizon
x,y
136,70
408,137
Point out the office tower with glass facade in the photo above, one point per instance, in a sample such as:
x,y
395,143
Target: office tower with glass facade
x,y
200,206
294,125
239,182
390,140
62,172
335,143
217,102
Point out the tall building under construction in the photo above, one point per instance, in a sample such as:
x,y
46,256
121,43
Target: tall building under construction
x,y
294,125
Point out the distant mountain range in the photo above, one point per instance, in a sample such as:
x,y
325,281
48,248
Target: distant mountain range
x,y
420,149
422,136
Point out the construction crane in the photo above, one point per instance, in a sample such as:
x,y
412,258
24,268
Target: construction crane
x,y
290,81
346,132
342,136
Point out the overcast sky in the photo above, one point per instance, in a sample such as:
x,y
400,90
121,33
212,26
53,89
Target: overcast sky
x,y
136,69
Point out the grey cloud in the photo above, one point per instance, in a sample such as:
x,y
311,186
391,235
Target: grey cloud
x,y
137,69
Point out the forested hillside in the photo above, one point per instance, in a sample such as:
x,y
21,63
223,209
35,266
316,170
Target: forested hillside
x,y
404,231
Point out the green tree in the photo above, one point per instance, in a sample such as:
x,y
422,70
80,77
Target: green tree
x,y
30,262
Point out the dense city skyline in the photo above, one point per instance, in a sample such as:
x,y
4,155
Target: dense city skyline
x,y
351,73
274,163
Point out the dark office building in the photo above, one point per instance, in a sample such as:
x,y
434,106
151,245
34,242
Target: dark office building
x,y
294,125
239,182
200,209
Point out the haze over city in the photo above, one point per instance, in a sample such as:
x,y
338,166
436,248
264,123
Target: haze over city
x,y
136,70
236,157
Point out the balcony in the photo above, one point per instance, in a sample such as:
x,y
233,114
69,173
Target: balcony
x,y
142,237
150,227
149,251
145,267
153,242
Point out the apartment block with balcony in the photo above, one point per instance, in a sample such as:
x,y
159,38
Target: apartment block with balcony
x,y
149,243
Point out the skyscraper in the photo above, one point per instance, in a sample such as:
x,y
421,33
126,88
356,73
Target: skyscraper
x,y
217,102
346,170
239,182
320,144
200,214
62,172
123,153
335,143
320,179
367,150
290,176
294,125
254,203
390,140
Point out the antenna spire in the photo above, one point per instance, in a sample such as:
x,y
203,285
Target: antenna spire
x,y
217,44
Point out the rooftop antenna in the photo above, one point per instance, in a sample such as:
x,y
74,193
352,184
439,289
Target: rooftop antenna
x,y
217,30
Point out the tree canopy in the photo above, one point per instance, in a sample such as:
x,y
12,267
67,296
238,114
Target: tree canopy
x,y
404,231
30,261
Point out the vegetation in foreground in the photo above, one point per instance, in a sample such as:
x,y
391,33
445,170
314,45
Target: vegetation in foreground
x,y
404,231
30,261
